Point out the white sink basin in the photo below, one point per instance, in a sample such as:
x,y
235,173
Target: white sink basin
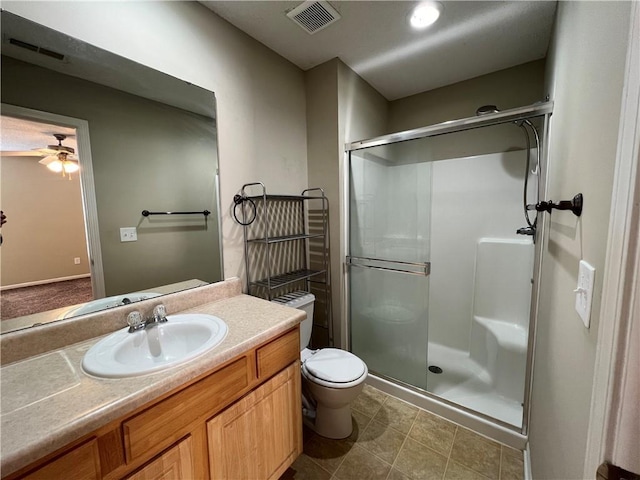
x,y
109,302
157,347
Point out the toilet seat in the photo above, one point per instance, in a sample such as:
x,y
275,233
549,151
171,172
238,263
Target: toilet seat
x,y
334,368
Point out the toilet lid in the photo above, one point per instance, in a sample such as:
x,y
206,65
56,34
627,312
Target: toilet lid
x,y
334,365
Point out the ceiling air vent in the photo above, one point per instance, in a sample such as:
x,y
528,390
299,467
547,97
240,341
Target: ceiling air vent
x,y
35,48
312,16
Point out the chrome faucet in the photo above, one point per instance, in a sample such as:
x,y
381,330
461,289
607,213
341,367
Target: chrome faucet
x,y
159,314
136,322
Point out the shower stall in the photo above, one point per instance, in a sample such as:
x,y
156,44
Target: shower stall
x,y
442,257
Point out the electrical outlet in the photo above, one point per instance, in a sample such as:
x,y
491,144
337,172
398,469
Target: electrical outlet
x,y
584,291
76,261
128,234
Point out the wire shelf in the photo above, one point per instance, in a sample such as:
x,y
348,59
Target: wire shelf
x,y
278,281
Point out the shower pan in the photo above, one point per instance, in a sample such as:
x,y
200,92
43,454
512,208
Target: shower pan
x,y
441,278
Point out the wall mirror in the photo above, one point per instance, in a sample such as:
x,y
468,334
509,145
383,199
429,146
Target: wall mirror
x,y
143,140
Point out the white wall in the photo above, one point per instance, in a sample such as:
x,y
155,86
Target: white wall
x,y
341,107
508,88
585,77
473,197
321,84
260,96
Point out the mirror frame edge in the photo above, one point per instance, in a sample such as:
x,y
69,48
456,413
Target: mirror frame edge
x,y
218,199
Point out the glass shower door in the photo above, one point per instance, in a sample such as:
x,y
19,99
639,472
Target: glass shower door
x,y
389,266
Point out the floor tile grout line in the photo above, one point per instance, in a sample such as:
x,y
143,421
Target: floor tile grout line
x,y
343,459
357,442
422,444
317,464
379,407
446,467
473,469
453,441
374,455
391,426
401,447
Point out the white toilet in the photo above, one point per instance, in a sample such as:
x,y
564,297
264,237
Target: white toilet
x,y
331,378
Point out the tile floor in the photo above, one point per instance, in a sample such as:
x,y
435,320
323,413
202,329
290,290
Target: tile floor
x,y
393,440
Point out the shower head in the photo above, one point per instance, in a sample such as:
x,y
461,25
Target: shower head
x,y
486,109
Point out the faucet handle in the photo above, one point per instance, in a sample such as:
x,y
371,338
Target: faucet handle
x,y
160,313
135,321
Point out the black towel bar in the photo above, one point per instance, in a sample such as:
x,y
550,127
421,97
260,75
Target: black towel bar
x,y
146,213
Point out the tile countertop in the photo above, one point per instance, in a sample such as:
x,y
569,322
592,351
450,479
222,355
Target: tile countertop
x,y
48,401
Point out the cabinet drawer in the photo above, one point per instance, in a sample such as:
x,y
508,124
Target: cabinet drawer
x,y
162,424
275,355
81,463
175,463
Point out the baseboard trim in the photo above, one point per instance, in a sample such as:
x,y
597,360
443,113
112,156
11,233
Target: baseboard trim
x,y
43,282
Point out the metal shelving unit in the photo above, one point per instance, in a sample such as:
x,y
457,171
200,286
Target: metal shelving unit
x,y
286,246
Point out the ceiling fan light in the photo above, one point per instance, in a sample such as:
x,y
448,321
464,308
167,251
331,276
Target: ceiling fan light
x,y
70,167
55,166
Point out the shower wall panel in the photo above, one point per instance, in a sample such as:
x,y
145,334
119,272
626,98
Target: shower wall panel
x,y
472,197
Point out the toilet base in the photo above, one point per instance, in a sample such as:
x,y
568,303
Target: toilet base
x,y
334,423
332,408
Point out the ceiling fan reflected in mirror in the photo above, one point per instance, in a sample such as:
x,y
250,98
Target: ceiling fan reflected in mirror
x,y
59,158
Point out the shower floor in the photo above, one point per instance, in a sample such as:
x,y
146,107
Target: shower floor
x,y
464,382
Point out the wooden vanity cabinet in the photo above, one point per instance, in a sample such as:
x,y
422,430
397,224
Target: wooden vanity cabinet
x,y
241,421
258,436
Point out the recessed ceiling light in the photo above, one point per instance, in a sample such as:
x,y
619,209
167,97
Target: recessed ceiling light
x,y
425,14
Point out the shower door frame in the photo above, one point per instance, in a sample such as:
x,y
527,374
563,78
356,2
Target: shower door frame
x,y
542,109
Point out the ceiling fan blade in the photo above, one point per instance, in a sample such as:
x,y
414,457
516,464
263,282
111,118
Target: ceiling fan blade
x,y
46,151
24,153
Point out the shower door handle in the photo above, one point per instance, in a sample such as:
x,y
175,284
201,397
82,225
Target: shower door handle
x,y
397,266
575,205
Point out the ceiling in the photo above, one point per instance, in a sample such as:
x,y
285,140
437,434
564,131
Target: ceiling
x,y
21,137
470,39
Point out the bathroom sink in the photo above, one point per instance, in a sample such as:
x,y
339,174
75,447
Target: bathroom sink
x,y
157,347
109,302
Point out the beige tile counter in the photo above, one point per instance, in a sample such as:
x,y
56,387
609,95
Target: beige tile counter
x,y
48,401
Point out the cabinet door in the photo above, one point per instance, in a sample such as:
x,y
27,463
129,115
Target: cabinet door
x,y
175,463
80,463
261,435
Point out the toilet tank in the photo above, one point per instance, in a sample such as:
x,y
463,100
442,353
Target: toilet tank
x,y
302,301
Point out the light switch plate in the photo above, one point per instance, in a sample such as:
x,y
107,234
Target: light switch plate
x,y
584,291
128,234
